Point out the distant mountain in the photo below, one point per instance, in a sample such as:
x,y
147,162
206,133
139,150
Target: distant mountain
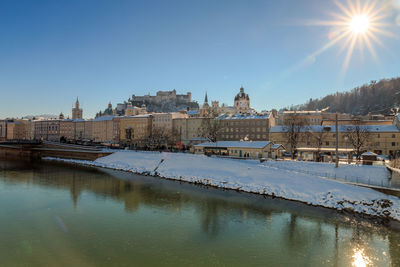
x,y
381,97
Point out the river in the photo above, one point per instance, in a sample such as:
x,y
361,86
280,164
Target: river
x,y
54,214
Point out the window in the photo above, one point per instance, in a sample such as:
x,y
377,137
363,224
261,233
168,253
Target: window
x,y
327,143
393,143
393,136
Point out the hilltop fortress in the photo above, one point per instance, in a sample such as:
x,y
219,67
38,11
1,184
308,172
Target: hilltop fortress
x,y
165,101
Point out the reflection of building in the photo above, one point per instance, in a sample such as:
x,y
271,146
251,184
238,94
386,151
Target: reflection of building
x,y
242,102
238,127
77,112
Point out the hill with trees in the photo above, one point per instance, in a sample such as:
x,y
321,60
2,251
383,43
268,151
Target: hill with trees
x,y
382,97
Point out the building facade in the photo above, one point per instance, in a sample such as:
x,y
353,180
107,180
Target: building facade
x,y
380,139
236,149
135,131
189,131
3,130
47,130
103,129
19,130
254,127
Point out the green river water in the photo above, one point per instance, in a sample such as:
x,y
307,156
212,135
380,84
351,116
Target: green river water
x,y
55,214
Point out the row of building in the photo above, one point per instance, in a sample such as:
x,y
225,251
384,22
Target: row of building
x,y
314,130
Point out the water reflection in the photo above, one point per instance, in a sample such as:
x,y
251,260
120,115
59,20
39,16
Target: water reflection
x,y
360,259
244,223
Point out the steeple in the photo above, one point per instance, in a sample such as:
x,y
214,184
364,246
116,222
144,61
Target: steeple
x,y
206,99
76,111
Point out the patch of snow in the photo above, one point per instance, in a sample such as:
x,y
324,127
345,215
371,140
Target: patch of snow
x,y
272,178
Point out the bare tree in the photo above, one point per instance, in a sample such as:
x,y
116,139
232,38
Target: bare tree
x,y
294,131
210,129
358,136
160,137
317,139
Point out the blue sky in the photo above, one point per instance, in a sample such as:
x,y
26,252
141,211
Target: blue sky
x,y
53,51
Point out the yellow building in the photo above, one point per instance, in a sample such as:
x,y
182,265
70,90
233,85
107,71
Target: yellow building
x,y
20,130
103,129
253,127
133,111
380,139
356,122
79,129
237,149
67,130
88,130
165,120
3,130
135,131
189,130
311,117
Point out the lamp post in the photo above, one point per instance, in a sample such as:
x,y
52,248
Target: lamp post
x,y
337,141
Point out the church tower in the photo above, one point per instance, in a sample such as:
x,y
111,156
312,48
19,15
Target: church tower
x,y
242,102
205,109
77,112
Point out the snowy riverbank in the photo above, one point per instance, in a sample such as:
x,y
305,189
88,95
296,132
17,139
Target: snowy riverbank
x,y
294,181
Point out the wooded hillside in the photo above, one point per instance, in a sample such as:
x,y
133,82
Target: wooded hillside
x,y
376,97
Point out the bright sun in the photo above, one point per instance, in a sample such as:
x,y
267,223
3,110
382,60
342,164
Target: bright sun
x,y
359,24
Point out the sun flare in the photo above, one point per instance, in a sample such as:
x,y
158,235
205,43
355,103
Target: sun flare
x,y
359,24
355,25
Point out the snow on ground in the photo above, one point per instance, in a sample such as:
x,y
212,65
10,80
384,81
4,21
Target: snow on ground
x,y
272,178
365,174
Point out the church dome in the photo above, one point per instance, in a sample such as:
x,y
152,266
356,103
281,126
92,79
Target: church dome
x,y
242,95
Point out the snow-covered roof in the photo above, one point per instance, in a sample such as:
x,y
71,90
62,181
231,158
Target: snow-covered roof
x,y
230,144
369,153
104,118
276,146
341,128
199,139
243,117
193,112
